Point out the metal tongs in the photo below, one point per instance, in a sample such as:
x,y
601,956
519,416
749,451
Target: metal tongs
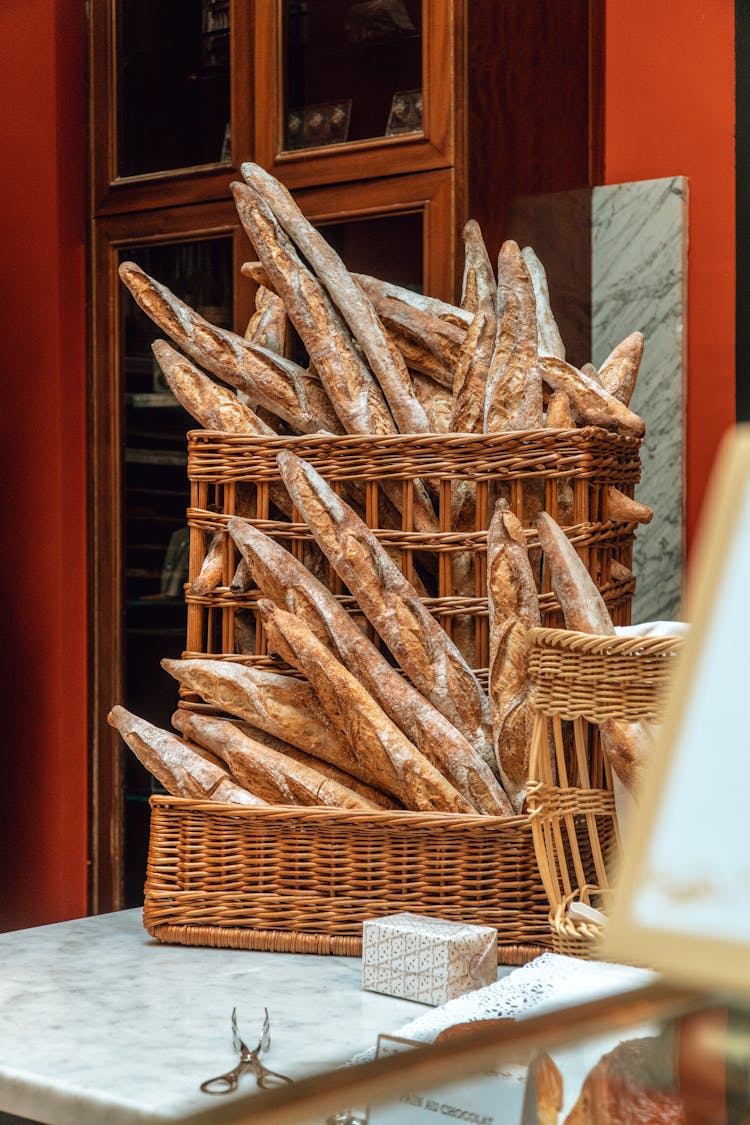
x,y
249,1060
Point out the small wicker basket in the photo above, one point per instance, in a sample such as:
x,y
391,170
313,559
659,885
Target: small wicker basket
x,y
303,880
581,680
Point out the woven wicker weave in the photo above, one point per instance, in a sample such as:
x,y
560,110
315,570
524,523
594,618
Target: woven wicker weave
x,y
581,680
304,880
527,467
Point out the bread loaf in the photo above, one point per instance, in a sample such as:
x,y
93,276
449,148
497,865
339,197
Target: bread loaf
x,y
376,288
514,386
213,406
286,581
513,610
549,340
623,507
282,705
212,568
627,745
421,647
269,325
428,344
183,770
470,383
589,400
635,1084
278,384
619,372
275,778
559,415
352,303
393,761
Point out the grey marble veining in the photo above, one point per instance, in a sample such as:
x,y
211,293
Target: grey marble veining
x,y
638,282
102,1023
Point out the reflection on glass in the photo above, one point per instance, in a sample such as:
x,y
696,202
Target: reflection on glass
x,y
352,70
155,497
173,84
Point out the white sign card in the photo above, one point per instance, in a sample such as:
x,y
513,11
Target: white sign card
x,y
682,900
492,1098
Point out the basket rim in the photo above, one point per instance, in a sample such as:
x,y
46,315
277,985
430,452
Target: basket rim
x,y
569,640
405,818
427,441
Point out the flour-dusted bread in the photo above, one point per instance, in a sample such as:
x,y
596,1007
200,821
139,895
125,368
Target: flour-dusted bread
x,y
290,585
213,406
212,568
275,778
428,344
559,415
514,386
421,647
470,385
619,372
269,325
593,405
627,745
623,507
278,384
283,706
513,610
388,755
183,770
549,340
352,303
375,287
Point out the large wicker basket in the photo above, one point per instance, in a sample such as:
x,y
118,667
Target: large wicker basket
x,y
580,681
304,880
233,473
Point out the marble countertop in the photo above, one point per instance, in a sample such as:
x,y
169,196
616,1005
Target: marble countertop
x,y
103,1023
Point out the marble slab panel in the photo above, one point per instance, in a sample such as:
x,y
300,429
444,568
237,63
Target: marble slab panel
x,y
638,282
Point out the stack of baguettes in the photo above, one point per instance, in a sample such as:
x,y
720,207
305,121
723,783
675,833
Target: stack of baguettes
x,y
356,731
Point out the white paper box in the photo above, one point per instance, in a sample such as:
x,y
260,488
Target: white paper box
x,y
426,959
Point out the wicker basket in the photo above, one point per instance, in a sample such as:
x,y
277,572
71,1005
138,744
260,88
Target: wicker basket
x,y
304,880
580,681
233,473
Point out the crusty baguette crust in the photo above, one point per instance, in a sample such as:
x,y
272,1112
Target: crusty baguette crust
x,y
513,610
183,770
282,705
627,745
619,372
352,303
212,568
549,340
623,507
422,648
213,406
472,370
288,583
269,325
559,415
514,387
375,287
272,776
428,344
395,763
479,283
278,384
589,400
437,401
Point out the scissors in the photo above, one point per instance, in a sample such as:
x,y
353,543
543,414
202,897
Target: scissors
x,y
249,1060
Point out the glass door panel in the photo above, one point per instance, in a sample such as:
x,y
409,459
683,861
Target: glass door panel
x,y
352,71
155,497
173,85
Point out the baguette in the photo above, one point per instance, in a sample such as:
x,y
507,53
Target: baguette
x,y
622,507
513,610
549,340
589,400
437,401
427,343
183,770
376,288
281,705
470,385
269,325
619,372
394,762
559,415
214,407
352,303
271,776
590,370
514,387
421,647
275,382
627,745
286,581
212,568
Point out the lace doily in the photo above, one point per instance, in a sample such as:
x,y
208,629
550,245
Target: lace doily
x,y
547,983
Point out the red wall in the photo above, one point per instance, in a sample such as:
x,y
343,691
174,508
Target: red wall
x,y
669,110
43,493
